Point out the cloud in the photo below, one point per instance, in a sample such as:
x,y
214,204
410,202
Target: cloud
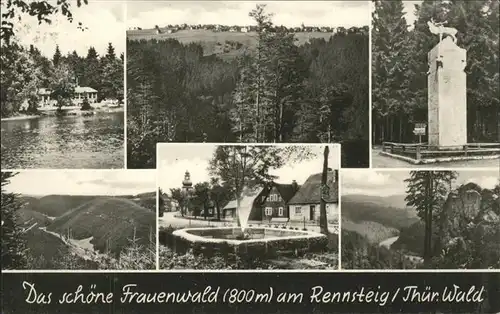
x,y
288,13
409,9
83,182
371,182
104,20
365,177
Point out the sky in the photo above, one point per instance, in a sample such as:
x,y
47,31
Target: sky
x,y
175,159
391,182
104,20
147,14
83,182
409,9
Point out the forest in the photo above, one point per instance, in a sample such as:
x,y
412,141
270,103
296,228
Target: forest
x,y
277,92
399,66
25,70
454,234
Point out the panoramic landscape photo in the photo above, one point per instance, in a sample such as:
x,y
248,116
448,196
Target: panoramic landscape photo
x,y
62,85
248,207
399,219
435,84
99,219
247,72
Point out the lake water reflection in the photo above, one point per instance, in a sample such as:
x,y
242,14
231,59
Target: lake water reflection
x,y
72,142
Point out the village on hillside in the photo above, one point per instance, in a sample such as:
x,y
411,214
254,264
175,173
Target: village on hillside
x,y
267,209
169,29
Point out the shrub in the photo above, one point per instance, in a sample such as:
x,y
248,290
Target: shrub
x,y
85,104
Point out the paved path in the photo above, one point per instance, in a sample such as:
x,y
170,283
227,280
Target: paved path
x,y
379,161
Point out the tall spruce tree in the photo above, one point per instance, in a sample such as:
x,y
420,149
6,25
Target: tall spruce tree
x,y
427,191
56,59
110,53
390,58
92,73
13,242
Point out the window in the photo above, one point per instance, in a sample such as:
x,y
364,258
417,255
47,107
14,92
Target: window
x,y
298,210
280,211
272,198
269,211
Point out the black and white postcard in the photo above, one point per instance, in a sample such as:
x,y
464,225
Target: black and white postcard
x,y
62,85
248,72
420,219
435,84
82,219
248,207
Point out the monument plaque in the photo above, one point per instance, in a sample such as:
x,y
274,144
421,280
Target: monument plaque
x,y
447,93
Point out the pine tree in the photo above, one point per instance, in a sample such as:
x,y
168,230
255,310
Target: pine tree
x,y
389,68
57,57
92,73
426,191
245,116
13,242
267,94
110,54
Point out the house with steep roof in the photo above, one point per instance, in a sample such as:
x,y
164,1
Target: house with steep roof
x,y
269,203
305,204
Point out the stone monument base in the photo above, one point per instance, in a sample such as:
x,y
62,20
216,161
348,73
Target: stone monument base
x,y
426,154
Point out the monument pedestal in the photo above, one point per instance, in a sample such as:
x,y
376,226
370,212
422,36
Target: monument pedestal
x,y
447,111
447,96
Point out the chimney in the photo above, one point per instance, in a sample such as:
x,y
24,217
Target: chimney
x,y
295,186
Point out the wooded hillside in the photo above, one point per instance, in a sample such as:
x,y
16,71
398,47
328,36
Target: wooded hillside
x,y
281,92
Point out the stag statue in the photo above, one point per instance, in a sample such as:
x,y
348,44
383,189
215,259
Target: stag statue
x,y
439,29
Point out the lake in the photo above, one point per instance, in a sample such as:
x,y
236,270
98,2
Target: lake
x,y
72,142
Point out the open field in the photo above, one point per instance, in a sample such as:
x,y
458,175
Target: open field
x,y
214,42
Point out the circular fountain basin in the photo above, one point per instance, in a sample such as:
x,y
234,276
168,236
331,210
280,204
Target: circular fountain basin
x,y
267,242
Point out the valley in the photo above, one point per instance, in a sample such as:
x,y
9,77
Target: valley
x,y
383,227
85,232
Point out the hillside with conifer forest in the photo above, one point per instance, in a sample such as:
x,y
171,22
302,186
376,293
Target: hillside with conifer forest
x,y
280,89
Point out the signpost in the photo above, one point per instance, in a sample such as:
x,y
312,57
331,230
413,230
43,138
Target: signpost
x,y
419,130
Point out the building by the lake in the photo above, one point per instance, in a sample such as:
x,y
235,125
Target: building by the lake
x,y
79,95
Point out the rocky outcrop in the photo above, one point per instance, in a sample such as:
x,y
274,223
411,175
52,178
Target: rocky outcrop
x,y
469,228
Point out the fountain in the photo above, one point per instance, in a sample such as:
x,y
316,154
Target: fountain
x,y
249,241
245,204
